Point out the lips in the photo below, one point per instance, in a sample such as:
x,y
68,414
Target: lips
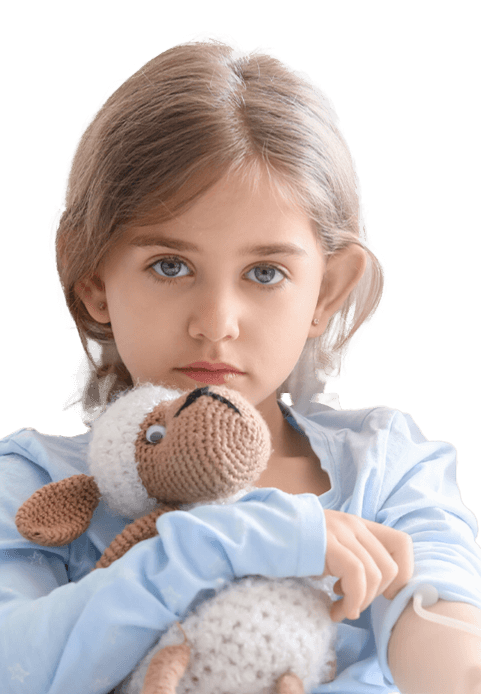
x,y
207,366
217,378
214,374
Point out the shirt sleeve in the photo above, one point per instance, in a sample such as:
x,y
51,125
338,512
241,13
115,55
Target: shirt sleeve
x,y
86,636
419,496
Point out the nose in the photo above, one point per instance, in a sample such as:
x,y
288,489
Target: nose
x,y
198,392
215,317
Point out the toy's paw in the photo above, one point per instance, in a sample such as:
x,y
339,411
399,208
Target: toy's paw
x,y
289,683
332,665
59,512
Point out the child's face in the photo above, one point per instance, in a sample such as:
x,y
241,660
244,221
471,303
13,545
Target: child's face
x,y
171,307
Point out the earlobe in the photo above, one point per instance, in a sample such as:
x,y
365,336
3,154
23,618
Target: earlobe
x,y
92,293
343,272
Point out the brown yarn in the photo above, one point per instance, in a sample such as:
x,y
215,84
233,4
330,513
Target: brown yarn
x,y
210,449
59,512
333,669
289,683
165,670
216,444
141,529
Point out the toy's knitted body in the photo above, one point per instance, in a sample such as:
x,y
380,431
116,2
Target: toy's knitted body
x,y
247,636
155,450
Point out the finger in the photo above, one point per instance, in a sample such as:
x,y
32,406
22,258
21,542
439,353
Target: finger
x,y
400,547
381,568
346,565
361,544
337,612
337,588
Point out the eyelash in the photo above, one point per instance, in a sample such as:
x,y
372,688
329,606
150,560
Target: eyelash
x,y
173,280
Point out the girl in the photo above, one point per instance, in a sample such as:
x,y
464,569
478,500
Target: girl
x,y
212,235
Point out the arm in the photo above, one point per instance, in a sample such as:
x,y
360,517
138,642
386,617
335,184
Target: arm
x,y
96,630
429,658
419,494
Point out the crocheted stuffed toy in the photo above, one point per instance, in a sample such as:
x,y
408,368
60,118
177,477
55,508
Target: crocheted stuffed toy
x,y
155,450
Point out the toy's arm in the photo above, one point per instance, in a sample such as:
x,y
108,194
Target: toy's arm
x,y
59,512
429,658
141,529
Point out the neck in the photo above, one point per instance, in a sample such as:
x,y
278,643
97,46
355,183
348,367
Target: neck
x,y
285,440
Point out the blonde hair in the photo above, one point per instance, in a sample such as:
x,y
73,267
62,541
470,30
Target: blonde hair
x,y
183,121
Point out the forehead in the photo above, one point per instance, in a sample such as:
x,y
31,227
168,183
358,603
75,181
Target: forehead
x,y
254,217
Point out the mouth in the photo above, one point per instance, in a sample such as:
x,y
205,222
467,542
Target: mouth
x,y
211,366
214,377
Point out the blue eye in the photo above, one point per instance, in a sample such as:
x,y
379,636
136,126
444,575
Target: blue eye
x,y
265,273
169,266
155,433
167,270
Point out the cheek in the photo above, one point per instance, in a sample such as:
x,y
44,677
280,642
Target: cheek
x,y
131,305
291,329
284,335
296,312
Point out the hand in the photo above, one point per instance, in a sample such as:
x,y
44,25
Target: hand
x,y
369,559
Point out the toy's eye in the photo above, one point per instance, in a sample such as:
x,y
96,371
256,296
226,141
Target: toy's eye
x,y
155,433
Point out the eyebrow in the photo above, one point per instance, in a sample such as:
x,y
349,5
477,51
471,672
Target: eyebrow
x,y
287,249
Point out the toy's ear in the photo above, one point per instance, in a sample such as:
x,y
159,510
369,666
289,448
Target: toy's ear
x,y
59,512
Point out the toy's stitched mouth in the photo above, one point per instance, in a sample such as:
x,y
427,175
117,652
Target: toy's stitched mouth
x,y
198,392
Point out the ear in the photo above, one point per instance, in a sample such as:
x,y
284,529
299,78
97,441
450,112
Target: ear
x,y
92,293
343,271
59,512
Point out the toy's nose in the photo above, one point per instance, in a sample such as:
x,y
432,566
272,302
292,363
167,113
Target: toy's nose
x,y
198,392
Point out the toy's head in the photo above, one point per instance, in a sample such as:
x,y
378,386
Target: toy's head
x,y
155,445
152,446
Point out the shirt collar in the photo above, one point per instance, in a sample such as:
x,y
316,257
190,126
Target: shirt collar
x,y
313,430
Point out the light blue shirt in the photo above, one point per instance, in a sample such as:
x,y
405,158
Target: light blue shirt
x,y
65,629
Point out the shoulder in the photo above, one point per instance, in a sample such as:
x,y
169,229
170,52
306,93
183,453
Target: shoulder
x,y
370,425
373,422
28,453
381,441
29,460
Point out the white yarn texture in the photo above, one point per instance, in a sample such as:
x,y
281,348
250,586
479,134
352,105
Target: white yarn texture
x,y
112,449
248,635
